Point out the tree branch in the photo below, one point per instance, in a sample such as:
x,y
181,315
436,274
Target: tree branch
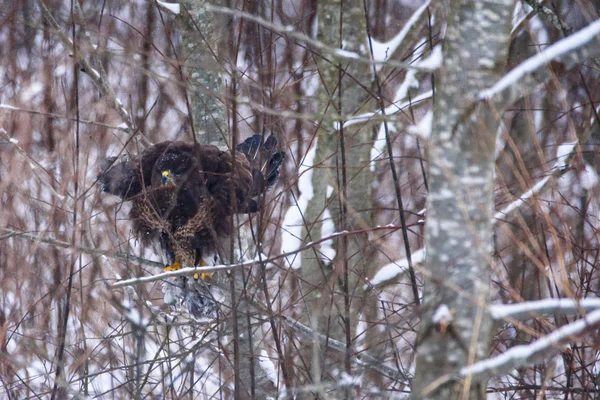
x,y
316,44
520,356
96,75
527,75
360,358
533,309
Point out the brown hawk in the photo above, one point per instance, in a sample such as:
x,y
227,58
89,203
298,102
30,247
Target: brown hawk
x,y
184,195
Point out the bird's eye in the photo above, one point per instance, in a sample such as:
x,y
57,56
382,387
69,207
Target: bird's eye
x,y
165,177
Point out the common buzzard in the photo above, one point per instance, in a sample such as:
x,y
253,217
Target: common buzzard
x,y
183,197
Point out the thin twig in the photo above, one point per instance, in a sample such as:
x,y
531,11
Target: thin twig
x,y
360,358
94,74
62,339
533,309
34,164
524,355
183,271
50,115
388,141
316,44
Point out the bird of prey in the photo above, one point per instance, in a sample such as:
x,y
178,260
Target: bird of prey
x,y
183,197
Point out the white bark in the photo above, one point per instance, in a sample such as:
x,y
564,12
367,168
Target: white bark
x,y
204,54
460,203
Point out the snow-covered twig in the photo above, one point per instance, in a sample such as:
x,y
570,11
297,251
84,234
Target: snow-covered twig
x,y
361,358
564,153
301,37
522,198
523,355
184,271
180,272
569,50
384,51
392,270
539,8
389,110
533,309
228,267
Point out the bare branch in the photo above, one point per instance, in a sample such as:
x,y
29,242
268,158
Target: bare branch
x,y
383,51
524,77
524,355
86,250
361,358
533,309
315,44
94,74
60,116
35,166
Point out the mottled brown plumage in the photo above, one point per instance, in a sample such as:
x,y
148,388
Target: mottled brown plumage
x,y
184,195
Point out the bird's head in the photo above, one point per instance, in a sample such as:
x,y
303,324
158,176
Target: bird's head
x,y
167,177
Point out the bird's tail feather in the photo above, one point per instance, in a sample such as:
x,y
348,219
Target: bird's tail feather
x,y
265,161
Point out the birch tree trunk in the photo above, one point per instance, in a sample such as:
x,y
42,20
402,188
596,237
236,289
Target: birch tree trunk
x,y
333,288
455,328
205,54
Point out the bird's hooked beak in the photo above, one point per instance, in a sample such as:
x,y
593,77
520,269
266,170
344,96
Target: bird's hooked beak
x,y
166,177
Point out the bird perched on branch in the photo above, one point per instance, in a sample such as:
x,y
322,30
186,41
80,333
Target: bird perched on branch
x,y
183,197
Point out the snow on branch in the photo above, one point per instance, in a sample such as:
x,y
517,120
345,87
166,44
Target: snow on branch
x,y
523,355
392,270
424,127
290,31
384,51
433,61
361,358
523,198
181,272
559,50
175,8
564,152
389,110
539,8
533,309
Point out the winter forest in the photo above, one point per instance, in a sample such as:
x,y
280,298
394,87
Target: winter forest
x,y
434,232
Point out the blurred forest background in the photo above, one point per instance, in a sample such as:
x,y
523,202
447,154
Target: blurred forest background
x,y
332,307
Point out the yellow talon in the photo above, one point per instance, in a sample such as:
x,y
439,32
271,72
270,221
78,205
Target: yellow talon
x,y
203,275
173,267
